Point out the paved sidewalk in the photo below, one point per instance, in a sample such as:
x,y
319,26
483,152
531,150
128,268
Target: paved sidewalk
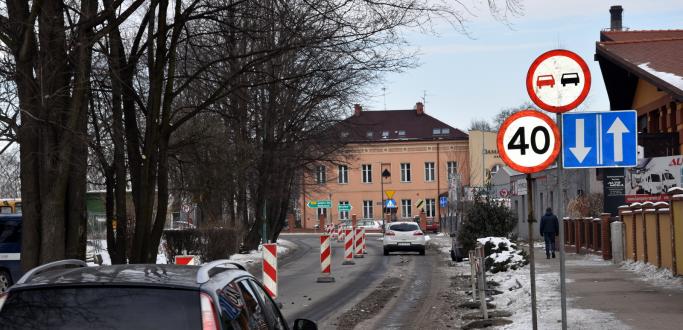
x,y
628,296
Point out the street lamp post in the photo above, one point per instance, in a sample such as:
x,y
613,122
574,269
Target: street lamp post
x,y
385,174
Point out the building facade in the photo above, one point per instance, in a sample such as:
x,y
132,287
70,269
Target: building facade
x,y
403,154
484,158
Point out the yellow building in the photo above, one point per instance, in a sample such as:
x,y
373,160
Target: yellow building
x,y
484,158
406,152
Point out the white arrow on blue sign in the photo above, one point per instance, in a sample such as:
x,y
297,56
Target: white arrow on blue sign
x,y
599,139
443,201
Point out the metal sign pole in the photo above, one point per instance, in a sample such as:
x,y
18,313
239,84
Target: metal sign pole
x,y
532,264
560,215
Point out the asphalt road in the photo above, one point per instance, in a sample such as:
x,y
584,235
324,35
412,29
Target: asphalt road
x,y
421,282
303,297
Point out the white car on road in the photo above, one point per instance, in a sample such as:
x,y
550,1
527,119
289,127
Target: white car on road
x,y
403,236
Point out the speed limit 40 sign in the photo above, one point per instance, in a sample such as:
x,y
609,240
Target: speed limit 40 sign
x,y
528,141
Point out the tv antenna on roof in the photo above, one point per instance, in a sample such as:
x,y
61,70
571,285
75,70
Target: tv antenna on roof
x,y
384,94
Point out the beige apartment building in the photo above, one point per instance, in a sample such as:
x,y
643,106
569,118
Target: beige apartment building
x,y
406,152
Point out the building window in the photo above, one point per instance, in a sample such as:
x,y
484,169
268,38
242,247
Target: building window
x,y
406,208
550,203
367,209
401,133
385,134
405,172
429,171
322,213
320,175
366,171
445,131
369,135
540,199
343,215
343,174
436,131
452,168
430,207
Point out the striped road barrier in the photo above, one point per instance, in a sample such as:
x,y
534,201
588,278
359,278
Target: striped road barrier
x,y
325,260
348,247
270,269
358,243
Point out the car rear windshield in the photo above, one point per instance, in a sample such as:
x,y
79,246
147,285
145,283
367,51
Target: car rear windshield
x,y
101,308
404,227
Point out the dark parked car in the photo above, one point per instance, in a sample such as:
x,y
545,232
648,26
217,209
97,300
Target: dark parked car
x,y
69,295
10,250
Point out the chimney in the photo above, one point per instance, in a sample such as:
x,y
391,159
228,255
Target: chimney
x,y
419,108
357,109
615,20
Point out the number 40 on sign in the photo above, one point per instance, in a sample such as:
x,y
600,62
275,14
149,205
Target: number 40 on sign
x,y
529,141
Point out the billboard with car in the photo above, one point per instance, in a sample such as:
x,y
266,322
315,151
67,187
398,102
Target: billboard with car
x,y
652,177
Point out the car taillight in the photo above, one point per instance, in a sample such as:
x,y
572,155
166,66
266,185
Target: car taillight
x,y
418,233
209,317
389,233
3,297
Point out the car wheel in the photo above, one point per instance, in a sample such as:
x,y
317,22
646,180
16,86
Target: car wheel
x,y
422,252
386,252
5,281
453,257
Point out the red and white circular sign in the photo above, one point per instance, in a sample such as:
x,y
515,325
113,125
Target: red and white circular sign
x,y
558,81
528,141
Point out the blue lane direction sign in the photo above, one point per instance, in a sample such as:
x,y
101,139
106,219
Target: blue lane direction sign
x,y
443,201
390,203
599,139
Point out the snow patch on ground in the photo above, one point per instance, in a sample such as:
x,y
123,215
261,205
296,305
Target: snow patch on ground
x,y
442,242
516,297
284,247
660,277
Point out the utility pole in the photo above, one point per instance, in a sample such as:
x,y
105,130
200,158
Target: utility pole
x,y
532,264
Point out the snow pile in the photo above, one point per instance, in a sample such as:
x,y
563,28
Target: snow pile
x,y
516,297
661,277
284,247
502,255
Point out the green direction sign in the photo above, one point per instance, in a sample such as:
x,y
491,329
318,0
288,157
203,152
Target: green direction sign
x,y
321,204
324,204
344,207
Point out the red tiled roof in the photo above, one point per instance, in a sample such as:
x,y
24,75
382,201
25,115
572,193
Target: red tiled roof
x,y
652,55
394,122
638,35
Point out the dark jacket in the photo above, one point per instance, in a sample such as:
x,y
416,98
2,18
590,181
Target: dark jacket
x,y
550,224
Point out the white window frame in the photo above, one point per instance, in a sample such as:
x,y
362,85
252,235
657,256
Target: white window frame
x,y
452,167
321,174
406,208
343,174
430,169
366,173
343,215
430,207
367,209
405,172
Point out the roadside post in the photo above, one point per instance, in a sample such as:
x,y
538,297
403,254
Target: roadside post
x,y
481,271
473,274
528,142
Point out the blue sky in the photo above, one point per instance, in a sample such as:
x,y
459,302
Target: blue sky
x,y
473,78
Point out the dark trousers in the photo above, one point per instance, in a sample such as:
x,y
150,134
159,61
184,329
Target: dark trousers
x,y
549,242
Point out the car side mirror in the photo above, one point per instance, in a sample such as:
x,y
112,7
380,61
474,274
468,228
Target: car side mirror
x,y
304,324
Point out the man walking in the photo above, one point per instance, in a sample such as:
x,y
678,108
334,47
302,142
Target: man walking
x,y
550,227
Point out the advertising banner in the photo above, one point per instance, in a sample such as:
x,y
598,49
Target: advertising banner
x,y
651,178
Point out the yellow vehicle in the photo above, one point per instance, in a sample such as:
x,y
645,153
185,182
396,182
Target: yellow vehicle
x,y
10,205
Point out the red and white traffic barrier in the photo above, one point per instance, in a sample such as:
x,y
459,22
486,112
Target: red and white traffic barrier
x,y
341,237
365,247
348,247
334,233
186,260
325,260
270,269
358,243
